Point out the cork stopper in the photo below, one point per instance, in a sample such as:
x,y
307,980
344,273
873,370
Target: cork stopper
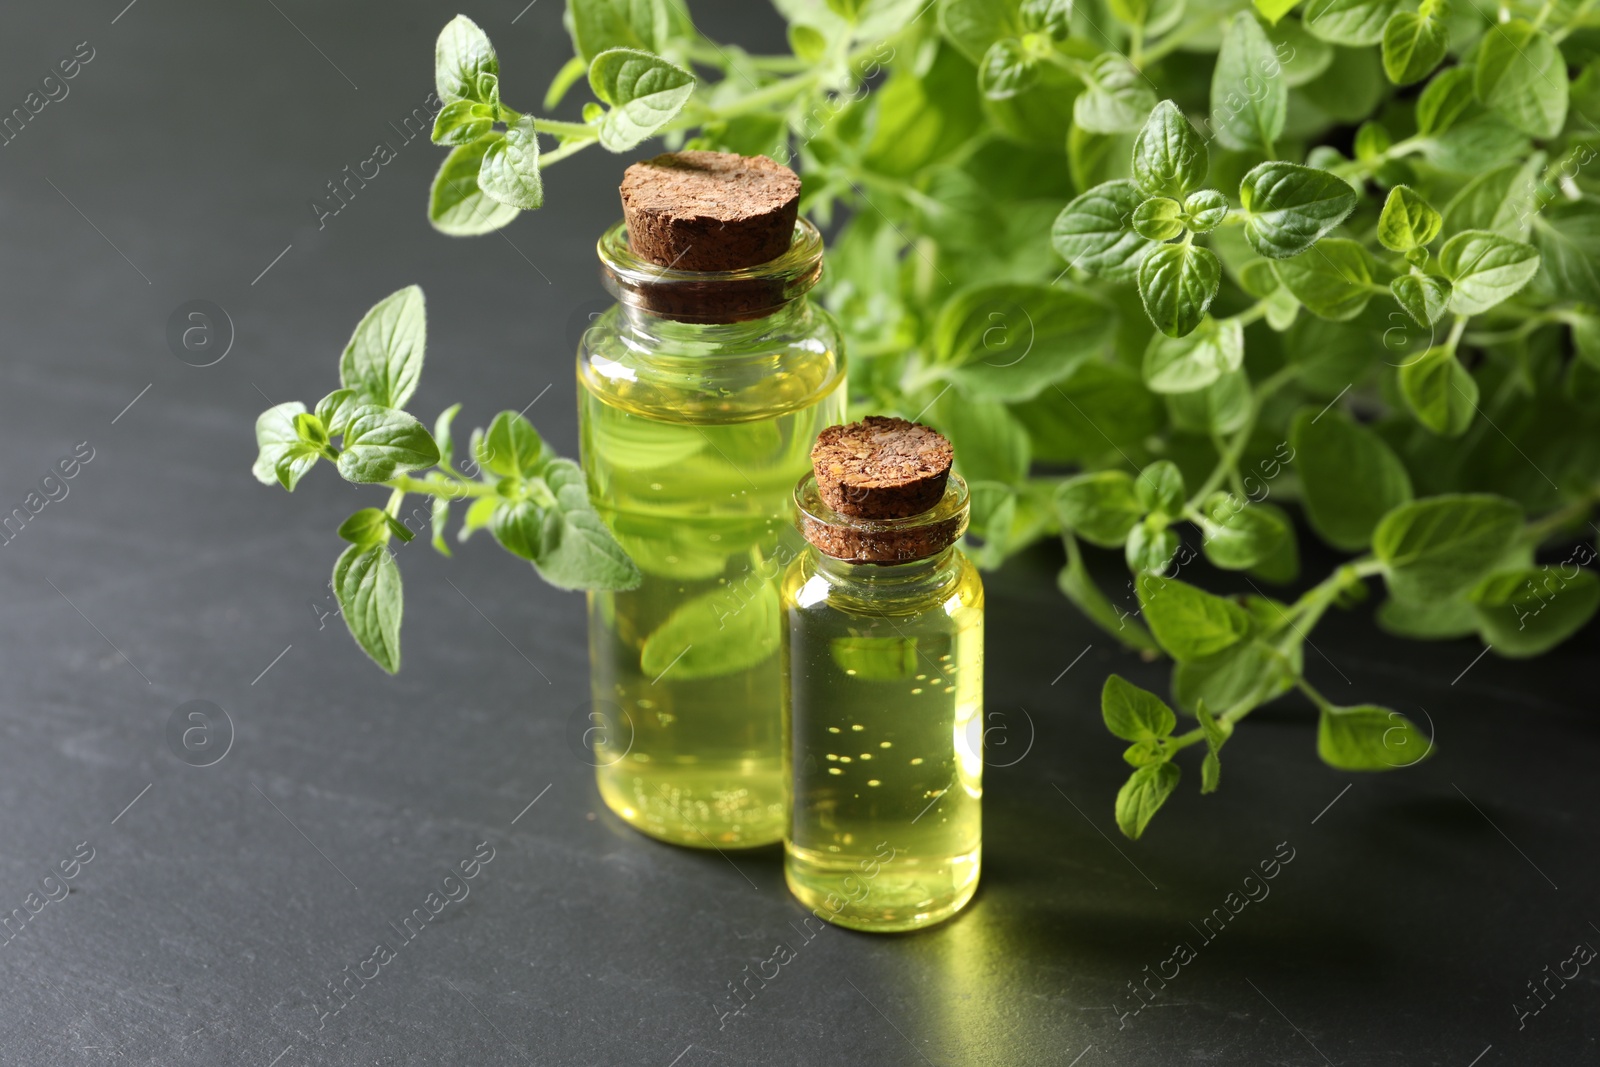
x,y
882,492
710,211
881,468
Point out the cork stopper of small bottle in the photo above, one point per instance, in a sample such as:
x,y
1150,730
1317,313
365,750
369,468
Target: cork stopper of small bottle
x,y
710,211
878,475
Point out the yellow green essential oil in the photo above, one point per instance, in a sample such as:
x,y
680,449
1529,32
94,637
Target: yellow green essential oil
x,y
693,436
883,727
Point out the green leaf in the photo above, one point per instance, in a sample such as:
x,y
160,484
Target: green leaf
x,y
1216,732
1177,283
713,634
1204,210
1425,298
1189,622
382,442
456,205
1150,548
462,122
1483,141
1304,58
1273,11
1289,207
598,25
1369,738
282,456
334,410
1134,714
461,56
1441,545
1520,74
1009,341
565,538
1241,676
1077,586
994,517
310,430
1007,69
510,169
1185,364
369,526
645,93
973,25
1142,795
1349,478
1485,268
366,582
441,435
1529,611
1333,280
1439,391
1408,221
1427,618
383,361
1053,18
1160,488
1169,156
1241,535
1223,407
1117,98
991,445
1159,219
512,448
1155,16
1568,239
1101,507
441,520
1349,22
480,513
1095,231
1444,99
1099,408
1413,44
1249,96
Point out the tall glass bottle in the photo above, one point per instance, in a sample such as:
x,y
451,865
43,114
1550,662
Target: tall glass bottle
x,y
883,721
700,394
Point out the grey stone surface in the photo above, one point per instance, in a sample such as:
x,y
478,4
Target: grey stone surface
x,y
222,900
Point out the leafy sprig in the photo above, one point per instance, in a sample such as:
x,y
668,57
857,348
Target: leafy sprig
x,y
534,503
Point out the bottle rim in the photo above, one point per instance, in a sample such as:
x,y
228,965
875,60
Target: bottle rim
x,y
882,541
710,296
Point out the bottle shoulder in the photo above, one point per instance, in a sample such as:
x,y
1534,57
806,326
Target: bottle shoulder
x,y
952,589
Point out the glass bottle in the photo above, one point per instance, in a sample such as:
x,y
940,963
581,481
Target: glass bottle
x,y
883,722
700,393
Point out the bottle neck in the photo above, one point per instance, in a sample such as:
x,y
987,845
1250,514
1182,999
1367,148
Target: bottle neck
x,y
749,296
661,333
887,584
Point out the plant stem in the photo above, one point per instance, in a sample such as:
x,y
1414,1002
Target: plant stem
x,y
1170,43
1537,530
565,129
1230,458
1574,22
570,148
433,485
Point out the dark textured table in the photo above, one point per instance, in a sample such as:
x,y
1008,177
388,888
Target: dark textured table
x,y
212,908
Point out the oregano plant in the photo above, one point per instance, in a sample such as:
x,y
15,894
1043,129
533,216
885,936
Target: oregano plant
x,y
1187,281
532,501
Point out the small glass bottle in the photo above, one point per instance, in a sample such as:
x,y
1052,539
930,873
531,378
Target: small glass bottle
x,y
699,396
883,664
